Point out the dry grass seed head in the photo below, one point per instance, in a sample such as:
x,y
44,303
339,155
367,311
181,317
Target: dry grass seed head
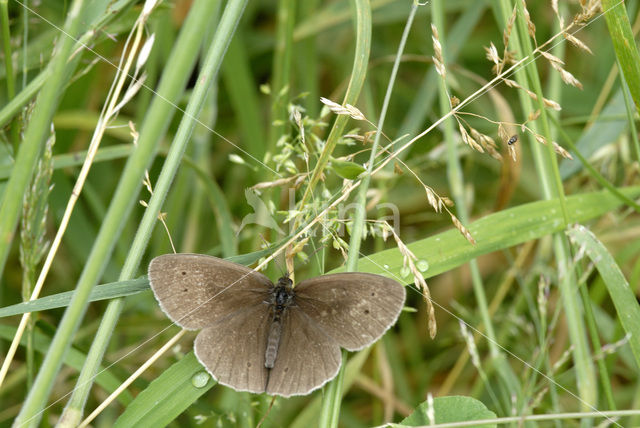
x,y
468,140
506,35
492,55
487,143
547,102
533,116
465,232
612,348
512,152
576,42
589,9
409,262
348,110
438,59
561,151
530,25
566,77
554,7
471,345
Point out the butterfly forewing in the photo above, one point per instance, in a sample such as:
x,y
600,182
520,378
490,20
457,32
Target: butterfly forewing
x,y
307,358
232,349
196,290
354,309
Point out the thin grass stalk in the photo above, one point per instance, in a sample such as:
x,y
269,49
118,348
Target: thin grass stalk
x,y
603,372
130,380
156,123
550,177
631,111
624,45
361,199
362,17
308,64
9,71
25,47
330,410
549,162
542,362
555,91
281,70
220,206
422,105
226,27
37,132
198,19
566,139
202,154
456,181
239,82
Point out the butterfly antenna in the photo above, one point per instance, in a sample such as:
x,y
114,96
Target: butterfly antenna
x,y
275,261
273,399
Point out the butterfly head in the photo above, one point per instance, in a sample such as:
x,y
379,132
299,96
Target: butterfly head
x,y
285,282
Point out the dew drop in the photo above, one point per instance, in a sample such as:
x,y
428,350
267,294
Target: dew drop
x,y
200,379
404,272
422,265
385,266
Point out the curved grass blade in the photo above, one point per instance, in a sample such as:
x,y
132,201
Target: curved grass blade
x,y
621,294
168,396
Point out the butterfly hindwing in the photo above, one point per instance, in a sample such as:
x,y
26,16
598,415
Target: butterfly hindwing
x,y
233,349
307,357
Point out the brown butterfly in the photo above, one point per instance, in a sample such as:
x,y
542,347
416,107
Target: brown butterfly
x,y
278,339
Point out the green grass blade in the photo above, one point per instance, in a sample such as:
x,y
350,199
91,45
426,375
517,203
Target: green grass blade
x,y
621,294
624,45
60,300
74,359
168,395
495,232
362,14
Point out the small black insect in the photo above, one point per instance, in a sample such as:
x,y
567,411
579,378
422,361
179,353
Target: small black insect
x,y
512,140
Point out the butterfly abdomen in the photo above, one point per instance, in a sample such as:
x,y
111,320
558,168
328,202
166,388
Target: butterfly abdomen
x,y
273,340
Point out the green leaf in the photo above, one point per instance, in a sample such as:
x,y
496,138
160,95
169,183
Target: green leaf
x,y
451,409
346,169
